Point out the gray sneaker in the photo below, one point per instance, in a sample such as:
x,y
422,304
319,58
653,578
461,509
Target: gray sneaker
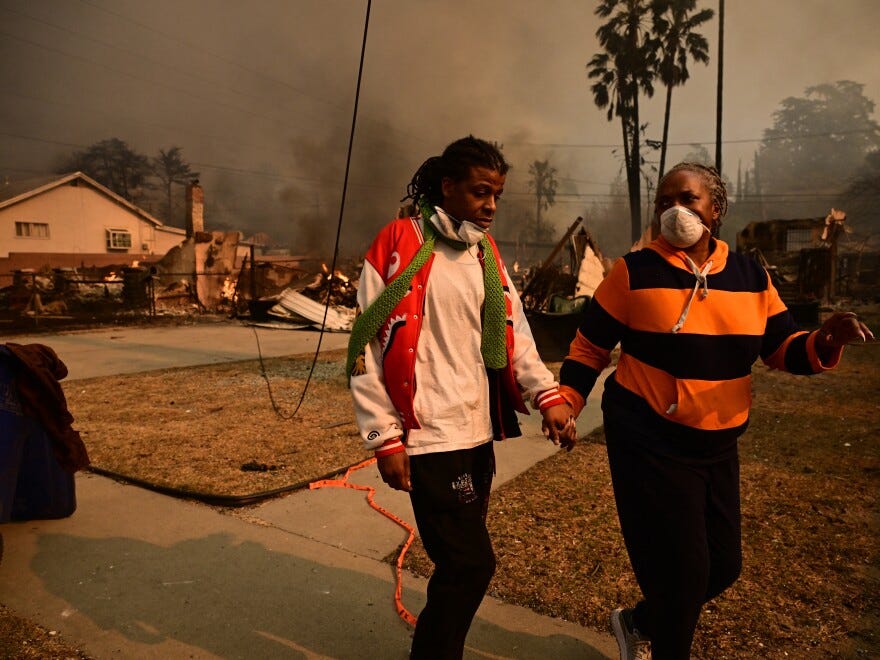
x,y
633,645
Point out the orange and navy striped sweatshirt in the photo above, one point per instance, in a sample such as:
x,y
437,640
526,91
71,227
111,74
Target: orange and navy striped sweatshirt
x,y
687,338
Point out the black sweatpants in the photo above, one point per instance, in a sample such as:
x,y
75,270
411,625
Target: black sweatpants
x,y
450,499
680,519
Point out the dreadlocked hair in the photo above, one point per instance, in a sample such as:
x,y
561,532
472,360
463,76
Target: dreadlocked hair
x,y
455,162
711,177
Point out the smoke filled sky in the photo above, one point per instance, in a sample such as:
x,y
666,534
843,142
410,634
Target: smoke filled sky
x,y
259,95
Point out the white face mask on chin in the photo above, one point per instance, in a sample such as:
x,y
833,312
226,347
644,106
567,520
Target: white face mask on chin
x,y
453,228
681,227
470,233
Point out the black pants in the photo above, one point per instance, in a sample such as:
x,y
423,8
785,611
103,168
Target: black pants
x,y
450,499
680,519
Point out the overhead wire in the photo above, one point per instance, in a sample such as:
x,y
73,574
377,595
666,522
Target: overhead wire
x,y
288,177
561,198
231,62
221,58
576,145
179,90
343,482
177,130
332,273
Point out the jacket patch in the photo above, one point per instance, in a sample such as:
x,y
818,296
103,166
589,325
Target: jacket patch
x,y
393,265
394,324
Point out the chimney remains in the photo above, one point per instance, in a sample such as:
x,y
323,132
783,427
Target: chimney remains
x,y
195,209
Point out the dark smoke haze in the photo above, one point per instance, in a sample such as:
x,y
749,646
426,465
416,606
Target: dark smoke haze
x,y
259,96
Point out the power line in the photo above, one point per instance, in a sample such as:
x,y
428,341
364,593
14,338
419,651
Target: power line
x,y
157,83
195,46
186,92
507,193
44,140
563,145
142,57
213,166
254,72
21,169
132,120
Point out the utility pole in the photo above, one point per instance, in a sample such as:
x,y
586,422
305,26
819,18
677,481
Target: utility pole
x,y
718,106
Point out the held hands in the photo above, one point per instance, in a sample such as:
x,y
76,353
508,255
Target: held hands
x,y
559,426
840,329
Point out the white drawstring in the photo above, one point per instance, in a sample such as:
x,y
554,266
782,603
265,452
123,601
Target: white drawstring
x,y
701,280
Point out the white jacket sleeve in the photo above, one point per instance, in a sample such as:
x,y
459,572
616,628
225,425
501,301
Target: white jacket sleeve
x,y
376,416
530,372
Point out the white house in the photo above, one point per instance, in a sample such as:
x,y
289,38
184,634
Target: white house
x,y
72,220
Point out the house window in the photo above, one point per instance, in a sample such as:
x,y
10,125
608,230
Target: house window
x,y
118,239
32,229
798,239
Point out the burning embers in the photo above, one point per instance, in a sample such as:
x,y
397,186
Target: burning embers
x,y
342,289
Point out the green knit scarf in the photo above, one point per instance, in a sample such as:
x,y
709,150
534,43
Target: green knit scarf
x,y
493,342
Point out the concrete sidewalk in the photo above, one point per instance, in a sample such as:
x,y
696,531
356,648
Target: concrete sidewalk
x,y
111,351
135,574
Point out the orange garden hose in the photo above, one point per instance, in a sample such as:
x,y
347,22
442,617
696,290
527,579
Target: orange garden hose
x,y
343,483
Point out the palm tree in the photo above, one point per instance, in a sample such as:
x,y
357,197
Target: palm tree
x,y
544,183
674,26
625,69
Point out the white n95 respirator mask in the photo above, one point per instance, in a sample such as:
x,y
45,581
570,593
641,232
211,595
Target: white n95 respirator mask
x,y
470,233
681,227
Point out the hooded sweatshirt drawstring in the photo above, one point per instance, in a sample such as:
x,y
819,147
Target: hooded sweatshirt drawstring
x,y
701,281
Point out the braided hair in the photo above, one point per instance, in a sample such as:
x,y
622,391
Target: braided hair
x,y
711,177
455,162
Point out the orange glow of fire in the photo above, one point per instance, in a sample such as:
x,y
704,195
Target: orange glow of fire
x,y
337,274
228,289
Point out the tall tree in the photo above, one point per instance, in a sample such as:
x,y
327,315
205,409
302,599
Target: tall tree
x,y
862,197
698,154
625,68
544,184
675,23
170,168
114,164
817,143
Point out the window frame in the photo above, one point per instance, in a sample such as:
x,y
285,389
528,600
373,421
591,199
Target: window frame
x,y
112,236
25,229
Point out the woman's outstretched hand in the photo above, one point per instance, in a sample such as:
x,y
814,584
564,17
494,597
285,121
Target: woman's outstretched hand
x,y
840,329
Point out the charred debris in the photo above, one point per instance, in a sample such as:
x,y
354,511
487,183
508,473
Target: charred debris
x,y
813,262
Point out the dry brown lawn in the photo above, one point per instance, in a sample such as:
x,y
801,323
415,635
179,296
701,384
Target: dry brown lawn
x,y
810,474
214,430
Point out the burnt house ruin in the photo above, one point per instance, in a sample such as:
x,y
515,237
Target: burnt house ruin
x,y
812,261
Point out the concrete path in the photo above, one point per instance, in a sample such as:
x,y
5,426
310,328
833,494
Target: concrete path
x,y
112,351
135,574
